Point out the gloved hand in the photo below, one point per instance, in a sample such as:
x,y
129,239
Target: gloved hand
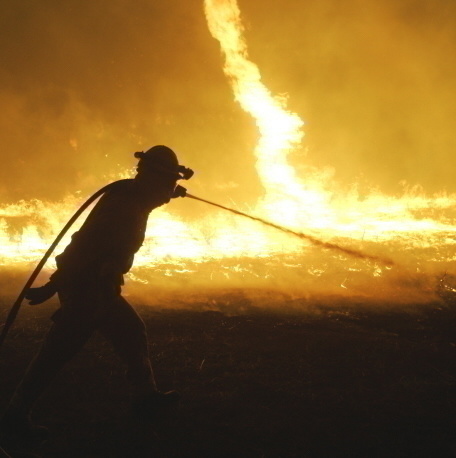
x,y
41,294
179,191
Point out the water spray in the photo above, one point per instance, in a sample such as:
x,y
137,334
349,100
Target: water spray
x,y
301,235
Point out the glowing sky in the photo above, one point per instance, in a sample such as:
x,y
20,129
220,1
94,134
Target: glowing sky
x,y
85,84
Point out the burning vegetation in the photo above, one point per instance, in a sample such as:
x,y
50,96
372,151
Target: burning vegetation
x,y
402,245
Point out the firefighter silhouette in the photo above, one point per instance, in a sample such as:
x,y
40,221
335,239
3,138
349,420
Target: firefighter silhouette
x,y
88,282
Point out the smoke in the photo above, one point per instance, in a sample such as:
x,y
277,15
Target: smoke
x,y
83,85
375,82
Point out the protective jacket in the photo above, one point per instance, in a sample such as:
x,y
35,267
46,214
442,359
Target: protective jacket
x,y
109,238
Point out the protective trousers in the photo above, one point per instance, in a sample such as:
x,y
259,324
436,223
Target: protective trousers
x,y
96,305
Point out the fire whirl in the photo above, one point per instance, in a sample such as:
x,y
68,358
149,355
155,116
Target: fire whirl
x,y
416,231
392,222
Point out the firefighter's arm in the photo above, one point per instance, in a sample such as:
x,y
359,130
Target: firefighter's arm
x,y
41,294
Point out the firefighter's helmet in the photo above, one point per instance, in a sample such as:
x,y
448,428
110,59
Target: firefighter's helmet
x,y
162,159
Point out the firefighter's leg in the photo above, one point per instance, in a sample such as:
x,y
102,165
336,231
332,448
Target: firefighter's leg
x,y
66,337
127,332
63,341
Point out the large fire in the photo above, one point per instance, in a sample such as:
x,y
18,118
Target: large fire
x,y
417,231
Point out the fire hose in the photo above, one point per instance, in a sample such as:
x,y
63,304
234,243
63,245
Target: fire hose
x,y
17,304
180,192
3,454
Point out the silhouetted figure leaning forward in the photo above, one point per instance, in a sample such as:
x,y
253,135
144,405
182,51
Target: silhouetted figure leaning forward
x,y
88,281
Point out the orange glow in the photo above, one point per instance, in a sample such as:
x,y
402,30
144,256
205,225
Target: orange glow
x,y
416,230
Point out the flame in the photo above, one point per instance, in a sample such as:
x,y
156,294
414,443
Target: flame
x,y
416,230
280,130
286,197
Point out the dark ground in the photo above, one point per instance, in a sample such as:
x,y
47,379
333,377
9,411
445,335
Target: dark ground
x,y
340,381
